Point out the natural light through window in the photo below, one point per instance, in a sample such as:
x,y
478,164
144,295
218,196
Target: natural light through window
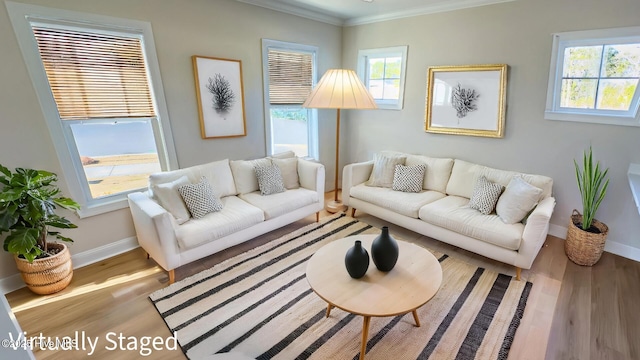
x,y
383,73
595,76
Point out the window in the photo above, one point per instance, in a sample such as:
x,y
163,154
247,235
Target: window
x,y
594,77
289,77
383,72
93,78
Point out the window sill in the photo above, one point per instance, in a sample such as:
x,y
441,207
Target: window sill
x,y
103,207
590,118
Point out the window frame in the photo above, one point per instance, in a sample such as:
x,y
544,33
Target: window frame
x,y
561,41
312,122
363,66
22,16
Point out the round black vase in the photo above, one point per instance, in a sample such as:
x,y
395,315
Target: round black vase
x,y
384,251
357,260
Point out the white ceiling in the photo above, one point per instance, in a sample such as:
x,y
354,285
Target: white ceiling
x,y
357,12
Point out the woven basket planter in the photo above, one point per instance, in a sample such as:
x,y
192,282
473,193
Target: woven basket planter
x,y
583,247
47,275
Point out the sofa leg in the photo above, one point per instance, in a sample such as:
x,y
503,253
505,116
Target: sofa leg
x,y
172,276
353,212
318,216
518,273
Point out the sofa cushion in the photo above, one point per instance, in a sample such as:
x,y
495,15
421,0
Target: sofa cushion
x,y
452,213
289,169
408,178
170,199
383,168
463,178
235,216
485,195
269,179
281,203
403,203
437,174
517,201
244,174
464,175
218,173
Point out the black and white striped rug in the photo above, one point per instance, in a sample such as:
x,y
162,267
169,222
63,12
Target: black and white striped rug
x,y
259,304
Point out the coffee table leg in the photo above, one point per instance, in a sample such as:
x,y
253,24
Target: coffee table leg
x,y
365,335
415,317
329,307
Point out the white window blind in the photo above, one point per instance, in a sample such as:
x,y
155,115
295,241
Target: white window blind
x,y
95,75
290,77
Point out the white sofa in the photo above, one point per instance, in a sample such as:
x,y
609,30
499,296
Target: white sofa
x,y
441,209
173,240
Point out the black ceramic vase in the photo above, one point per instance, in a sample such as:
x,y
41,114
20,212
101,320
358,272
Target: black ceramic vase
x,y
357,260
384,251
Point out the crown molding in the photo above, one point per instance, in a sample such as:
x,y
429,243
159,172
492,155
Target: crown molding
x,y
424,10
298,11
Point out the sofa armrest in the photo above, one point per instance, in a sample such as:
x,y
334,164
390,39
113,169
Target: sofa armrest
x,y
354,174
536,229
155,229
311,175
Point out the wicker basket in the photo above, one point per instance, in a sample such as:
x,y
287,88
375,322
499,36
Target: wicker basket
x,y
47,275
583,247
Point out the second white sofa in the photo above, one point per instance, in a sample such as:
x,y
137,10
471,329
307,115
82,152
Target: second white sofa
x,y
440,209
172,237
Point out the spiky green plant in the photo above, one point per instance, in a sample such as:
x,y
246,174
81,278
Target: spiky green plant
x,y
28,199
591,186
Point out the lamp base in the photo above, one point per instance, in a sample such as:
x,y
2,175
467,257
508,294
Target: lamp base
x,y
334,206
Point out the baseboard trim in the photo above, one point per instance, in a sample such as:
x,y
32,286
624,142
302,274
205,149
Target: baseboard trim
x,y
14,282
610,246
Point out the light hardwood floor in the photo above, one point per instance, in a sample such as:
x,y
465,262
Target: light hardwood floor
x,y
573,312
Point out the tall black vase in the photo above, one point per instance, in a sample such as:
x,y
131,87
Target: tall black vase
x,y
357,260
384,251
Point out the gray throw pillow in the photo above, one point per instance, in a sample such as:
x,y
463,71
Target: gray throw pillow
x,y
200,198
383,170
485,195
269,179
408,178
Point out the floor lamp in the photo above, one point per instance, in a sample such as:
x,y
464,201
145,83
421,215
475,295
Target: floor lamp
x,y
339,89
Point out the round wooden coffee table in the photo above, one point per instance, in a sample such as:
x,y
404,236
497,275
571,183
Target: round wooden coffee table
x,y
410,284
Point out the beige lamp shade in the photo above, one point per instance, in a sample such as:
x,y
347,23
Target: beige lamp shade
x,y
340,89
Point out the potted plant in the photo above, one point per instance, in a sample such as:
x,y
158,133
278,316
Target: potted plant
x,y
28,200
586,235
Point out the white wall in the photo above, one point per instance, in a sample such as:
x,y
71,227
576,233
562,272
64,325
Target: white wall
x,y
218,28
518,34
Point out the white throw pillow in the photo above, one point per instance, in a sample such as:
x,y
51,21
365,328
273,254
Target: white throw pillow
x,y
244,174
383,169
200,198
485,195
269,179
170,199
289,169
518,200
408,178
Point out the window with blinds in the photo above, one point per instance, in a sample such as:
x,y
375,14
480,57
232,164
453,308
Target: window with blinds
x,y
290,77
95,75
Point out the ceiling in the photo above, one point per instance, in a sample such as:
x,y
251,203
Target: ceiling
x,y
357,12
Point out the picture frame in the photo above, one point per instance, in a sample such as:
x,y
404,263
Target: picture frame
x,y
220,95
466,100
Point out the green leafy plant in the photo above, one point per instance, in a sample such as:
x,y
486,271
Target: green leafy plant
x,y
591,186
28,200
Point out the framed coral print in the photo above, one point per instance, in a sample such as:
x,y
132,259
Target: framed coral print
x,y
220,97
466,100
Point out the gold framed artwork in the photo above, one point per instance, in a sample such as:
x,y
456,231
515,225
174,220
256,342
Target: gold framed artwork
x,y
220,97
466,100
